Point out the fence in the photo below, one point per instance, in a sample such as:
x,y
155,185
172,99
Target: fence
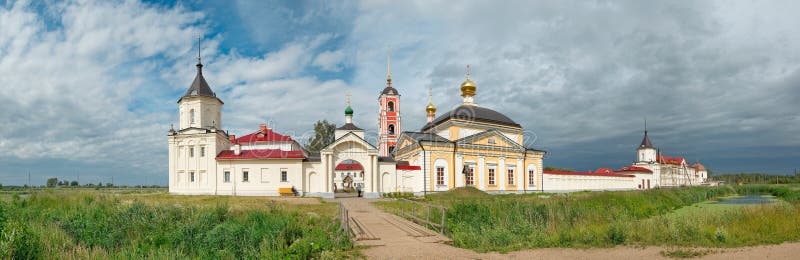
x,y
344,220
421,213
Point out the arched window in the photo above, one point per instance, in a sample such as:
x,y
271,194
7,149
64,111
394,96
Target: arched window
x,y
191,116
531,175
391,129
391,106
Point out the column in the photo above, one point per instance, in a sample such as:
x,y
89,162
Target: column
x,y
480,174
502,173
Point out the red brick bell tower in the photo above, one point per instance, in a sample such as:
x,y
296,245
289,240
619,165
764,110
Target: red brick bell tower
x,y
389,115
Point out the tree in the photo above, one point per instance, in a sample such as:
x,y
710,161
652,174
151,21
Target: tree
x,y
73,184
323,136
52,182
558,169
108,184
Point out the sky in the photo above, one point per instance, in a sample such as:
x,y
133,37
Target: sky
x,y
89,88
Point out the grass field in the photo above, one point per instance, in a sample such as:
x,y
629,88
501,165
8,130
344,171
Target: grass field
x,y
147,223
682,217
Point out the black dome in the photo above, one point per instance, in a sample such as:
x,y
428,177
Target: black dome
x,y
473,113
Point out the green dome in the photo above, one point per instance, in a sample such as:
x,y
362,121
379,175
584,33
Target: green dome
x,y
348,111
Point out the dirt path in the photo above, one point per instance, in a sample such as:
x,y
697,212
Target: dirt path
x,y
391,237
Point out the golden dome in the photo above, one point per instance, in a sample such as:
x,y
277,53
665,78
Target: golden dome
x,y
468,88
430,108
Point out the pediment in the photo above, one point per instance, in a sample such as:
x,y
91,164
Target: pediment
x,y
490,138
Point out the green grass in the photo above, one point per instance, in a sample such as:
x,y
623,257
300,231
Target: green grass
x,y
679,217
98,225
685,253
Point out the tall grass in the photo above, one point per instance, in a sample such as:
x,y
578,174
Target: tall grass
x,y
602,219
93,225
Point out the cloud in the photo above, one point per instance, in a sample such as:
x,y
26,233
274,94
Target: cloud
x,y
713,79
330,60
93,84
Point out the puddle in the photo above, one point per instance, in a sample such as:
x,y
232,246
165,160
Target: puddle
x,y
747,199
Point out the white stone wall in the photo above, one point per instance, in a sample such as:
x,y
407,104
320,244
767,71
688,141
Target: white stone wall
x,y
569,183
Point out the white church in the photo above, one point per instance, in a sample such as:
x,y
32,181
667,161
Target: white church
x,y
468,146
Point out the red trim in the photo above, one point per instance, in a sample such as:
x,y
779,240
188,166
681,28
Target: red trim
x,y
260,154
589,174
634,169
408,167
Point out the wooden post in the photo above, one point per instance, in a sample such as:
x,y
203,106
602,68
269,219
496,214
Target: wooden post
x,y
443,214
428,220
403,208
412,209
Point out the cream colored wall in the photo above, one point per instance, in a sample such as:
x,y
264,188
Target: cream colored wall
x,y
181,165
264,177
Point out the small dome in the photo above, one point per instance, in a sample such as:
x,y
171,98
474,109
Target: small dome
x,y
348,111
430,108
468,88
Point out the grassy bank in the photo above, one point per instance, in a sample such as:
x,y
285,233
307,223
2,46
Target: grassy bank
x,y
70,224
602,219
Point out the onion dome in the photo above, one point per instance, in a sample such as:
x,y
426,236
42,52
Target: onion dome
x,y
431,109
468,88
348,111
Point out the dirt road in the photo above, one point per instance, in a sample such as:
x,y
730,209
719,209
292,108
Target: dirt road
x,y
391,237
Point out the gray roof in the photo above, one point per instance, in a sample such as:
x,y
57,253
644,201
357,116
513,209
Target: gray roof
x,y
430,137
473,113
646,141
199,86
349,126
390,91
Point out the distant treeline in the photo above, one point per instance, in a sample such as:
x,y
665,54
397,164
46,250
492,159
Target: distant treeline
x,y
757,178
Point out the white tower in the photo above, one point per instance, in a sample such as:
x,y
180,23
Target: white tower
x,y
194,146
646,152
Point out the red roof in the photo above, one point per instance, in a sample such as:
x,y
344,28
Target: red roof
x,y
670,160
348,167
408,167
699,167
599,172
261,154
263,135
634,169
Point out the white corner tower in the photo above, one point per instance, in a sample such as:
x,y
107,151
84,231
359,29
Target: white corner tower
x,y
198,139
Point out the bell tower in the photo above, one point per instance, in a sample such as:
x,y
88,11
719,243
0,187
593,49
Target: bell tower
x,y
389,114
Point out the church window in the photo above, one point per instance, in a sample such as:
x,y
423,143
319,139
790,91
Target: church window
x,y
191,151
391,106
531,176
191,116
511,176
469,176
245,175
191,176
391,149
391,129
284,175
226,177
492,141
440,176
491,176
202,151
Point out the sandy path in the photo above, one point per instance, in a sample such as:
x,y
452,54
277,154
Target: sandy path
x,y
396,243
